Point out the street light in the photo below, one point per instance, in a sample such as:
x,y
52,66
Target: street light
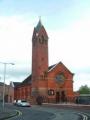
x,y
5,64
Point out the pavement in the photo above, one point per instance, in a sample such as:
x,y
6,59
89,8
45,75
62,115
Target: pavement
x,y
7,113
68,105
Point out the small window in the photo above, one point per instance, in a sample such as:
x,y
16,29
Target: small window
x,y
51,92
41,41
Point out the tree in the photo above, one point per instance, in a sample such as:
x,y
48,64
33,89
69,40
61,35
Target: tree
x,y
84,90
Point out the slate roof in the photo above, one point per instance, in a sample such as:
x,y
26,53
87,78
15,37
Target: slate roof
x,y
16,84
51,66
1,84
27,80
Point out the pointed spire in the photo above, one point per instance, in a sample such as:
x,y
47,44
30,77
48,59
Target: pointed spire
x,y
40,19
39,25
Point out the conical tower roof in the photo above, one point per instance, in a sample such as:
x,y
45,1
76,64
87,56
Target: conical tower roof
x,y
39,25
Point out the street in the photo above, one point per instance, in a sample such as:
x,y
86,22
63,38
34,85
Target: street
x,y
46,113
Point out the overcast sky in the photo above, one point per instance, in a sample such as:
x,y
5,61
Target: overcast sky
x,y
67,23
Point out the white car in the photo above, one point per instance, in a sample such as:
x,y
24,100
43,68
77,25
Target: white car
x,y
23,103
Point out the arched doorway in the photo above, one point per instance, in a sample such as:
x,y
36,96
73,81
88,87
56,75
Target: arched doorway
x,y
63,96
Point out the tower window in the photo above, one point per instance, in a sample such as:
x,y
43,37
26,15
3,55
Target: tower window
x,y
42,37
34,41
44,40
40,40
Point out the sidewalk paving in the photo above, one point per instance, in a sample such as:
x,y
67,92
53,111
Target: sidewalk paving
x,y
68,104
7,114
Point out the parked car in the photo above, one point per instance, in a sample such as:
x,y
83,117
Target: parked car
x,y
22,103
18,102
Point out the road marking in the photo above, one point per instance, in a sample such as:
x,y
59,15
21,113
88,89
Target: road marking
x,y
83,116
18,113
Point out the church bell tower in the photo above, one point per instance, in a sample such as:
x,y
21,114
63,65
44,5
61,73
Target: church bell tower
x,y
39,60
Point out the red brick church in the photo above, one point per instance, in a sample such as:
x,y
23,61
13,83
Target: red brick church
x,y
54,83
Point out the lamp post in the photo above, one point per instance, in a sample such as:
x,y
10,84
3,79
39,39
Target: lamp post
x,y
5,64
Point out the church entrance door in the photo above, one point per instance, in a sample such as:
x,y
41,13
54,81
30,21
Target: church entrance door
x,y
57,97
63,96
